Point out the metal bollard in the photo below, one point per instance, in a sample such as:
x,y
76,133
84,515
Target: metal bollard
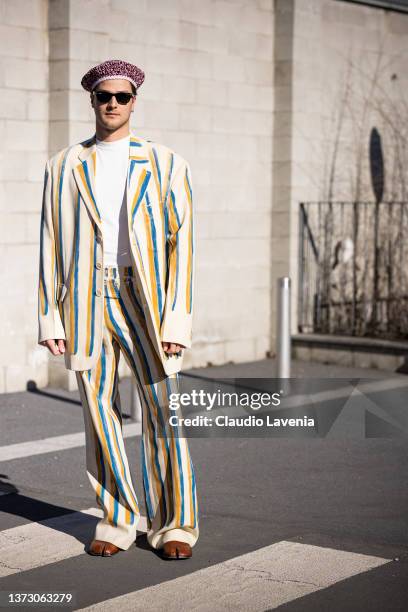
x,y
283,344
135,403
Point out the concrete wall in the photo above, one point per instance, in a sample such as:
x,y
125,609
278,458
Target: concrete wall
x,y
339,72
363,63
23,150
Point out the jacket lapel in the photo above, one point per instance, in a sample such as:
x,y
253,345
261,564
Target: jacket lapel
x,y
139,174
138,177
84,173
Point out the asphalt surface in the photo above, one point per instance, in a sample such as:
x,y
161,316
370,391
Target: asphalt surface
x,y
339,492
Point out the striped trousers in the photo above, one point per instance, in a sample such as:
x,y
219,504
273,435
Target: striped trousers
x,y
169,482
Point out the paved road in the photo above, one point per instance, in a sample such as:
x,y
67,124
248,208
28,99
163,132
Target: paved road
x,y
286,524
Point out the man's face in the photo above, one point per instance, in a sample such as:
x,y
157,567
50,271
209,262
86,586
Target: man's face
x,y
112,115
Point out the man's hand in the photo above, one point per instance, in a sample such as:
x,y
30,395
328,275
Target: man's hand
x,y
172,347
56,347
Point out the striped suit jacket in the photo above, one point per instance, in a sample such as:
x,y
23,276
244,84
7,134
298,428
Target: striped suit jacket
x,y
161,233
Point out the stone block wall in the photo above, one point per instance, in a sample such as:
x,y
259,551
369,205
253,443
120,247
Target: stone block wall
x,y
23,150
208,94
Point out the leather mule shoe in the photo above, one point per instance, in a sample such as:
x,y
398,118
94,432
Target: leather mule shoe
x,y
102,548
176,550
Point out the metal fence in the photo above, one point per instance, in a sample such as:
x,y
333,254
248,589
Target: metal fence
x,y
353,272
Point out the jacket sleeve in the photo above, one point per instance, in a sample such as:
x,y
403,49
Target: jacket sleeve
x,y
49,320
178,312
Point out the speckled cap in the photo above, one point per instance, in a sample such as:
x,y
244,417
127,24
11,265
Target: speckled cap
x,y
112,69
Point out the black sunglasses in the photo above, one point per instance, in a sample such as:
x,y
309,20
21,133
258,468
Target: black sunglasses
x,y
122,97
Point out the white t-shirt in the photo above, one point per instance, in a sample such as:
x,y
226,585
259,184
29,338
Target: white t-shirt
x,y
112,160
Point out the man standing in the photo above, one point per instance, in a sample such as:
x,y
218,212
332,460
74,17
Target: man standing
x,y
116,274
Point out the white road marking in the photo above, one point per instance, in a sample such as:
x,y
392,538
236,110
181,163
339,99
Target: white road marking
x,y
254,582
37,544
56,443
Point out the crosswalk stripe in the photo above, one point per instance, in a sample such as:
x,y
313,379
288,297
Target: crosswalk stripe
x,y
35,545
256,581
56,443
